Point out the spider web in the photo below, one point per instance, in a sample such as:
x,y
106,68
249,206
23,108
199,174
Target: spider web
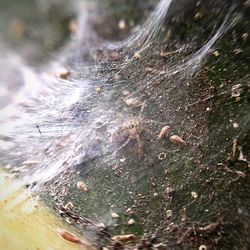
x,y
56,132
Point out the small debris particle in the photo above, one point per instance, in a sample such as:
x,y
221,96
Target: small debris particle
x,y
177,140
240,173
194,194
160,246
69,220
131,222
235,125
132,101
62,73
168,53
245,36
125,92
241,156
164,132
69,205
123,238
136,55
73,25
155,194
216,53
198,15
169,190
208,109
82,186
202,247
122,24
169,213
237,51
115,215
162,156
234,146
117,77
98,89
30,162
210,228
149,69
122,160
129,211
236,90
164,54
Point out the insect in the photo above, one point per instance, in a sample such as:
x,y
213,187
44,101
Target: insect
x,y
131,131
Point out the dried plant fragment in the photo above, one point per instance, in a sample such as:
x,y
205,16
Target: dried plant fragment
x,y
164,132
124,238
177,140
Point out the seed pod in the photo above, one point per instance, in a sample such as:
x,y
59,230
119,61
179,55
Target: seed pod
x,y
177,140
70,237
164,132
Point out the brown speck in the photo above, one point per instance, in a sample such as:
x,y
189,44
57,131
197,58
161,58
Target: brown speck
x,y
73,26
177,140
164,132
62,73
